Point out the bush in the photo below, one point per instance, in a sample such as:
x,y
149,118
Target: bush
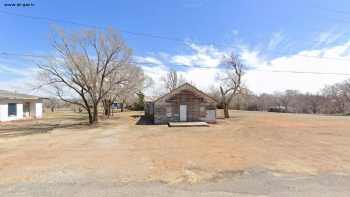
x,y
139,105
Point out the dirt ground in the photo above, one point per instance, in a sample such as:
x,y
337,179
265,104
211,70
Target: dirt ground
x,y
62,148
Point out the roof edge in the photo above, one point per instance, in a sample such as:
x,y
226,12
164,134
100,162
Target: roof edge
x,y
184,84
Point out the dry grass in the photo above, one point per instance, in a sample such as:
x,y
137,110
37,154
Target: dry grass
x,y
120,150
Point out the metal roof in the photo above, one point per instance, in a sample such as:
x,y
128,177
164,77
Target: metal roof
x,y
191,87
4,94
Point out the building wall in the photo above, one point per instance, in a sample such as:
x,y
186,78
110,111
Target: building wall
x,y
149,109
162,116
210,116
36,110
19,112
4,110
168,109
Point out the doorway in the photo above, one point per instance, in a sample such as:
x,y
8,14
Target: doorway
x,y
26,110
183,113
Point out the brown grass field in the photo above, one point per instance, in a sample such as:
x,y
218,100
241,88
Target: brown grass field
x,y
62,146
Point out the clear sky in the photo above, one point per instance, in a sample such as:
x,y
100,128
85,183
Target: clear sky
x,y
266,34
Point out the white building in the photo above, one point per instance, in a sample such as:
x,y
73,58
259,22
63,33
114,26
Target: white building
x,y
15,106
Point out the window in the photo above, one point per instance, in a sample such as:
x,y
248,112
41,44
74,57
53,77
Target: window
x,y
12,109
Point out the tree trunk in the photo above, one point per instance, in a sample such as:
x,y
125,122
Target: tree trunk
x,y
107,107
226,111
105,111
90,116
94,114
314,108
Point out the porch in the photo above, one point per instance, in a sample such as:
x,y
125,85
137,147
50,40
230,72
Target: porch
x,y
188,124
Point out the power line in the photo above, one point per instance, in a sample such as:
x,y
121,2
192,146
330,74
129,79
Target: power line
x,y
90,26
174,39
170,38
303,72
194,66
142,34
48,56
336,12
23,55
132,33
332,10
155,36
300,55
318,57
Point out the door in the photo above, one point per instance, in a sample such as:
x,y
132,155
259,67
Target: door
x,y
183,112
211,116
26,110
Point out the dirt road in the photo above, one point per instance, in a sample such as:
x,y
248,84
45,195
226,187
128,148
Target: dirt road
x,y
253,153
252,183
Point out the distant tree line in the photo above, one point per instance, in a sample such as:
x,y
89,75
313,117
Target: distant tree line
x,y
332,99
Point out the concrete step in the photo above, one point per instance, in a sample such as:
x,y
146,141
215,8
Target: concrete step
x,y
188,124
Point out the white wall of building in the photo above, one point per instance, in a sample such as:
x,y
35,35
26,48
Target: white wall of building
x,y
20,110
36,110
3,112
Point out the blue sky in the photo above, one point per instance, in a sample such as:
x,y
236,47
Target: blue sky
x,y
262,32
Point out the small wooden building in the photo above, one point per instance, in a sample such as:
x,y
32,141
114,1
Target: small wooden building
x,y
184,104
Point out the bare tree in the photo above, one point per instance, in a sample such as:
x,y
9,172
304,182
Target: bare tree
x,y
344,90
89,67
265,101
52,103
289,99
335,102
134,82
332,99
312,102
172,80
231,81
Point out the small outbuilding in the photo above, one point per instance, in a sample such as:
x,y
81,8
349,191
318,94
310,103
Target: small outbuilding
x,y
15,106
184,104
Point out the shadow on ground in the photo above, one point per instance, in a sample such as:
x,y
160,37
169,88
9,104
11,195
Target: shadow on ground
x,y
142,120
37,129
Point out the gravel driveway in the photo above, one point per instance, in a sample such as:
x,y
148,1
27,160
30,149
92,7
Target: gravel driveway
x,y
252,183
